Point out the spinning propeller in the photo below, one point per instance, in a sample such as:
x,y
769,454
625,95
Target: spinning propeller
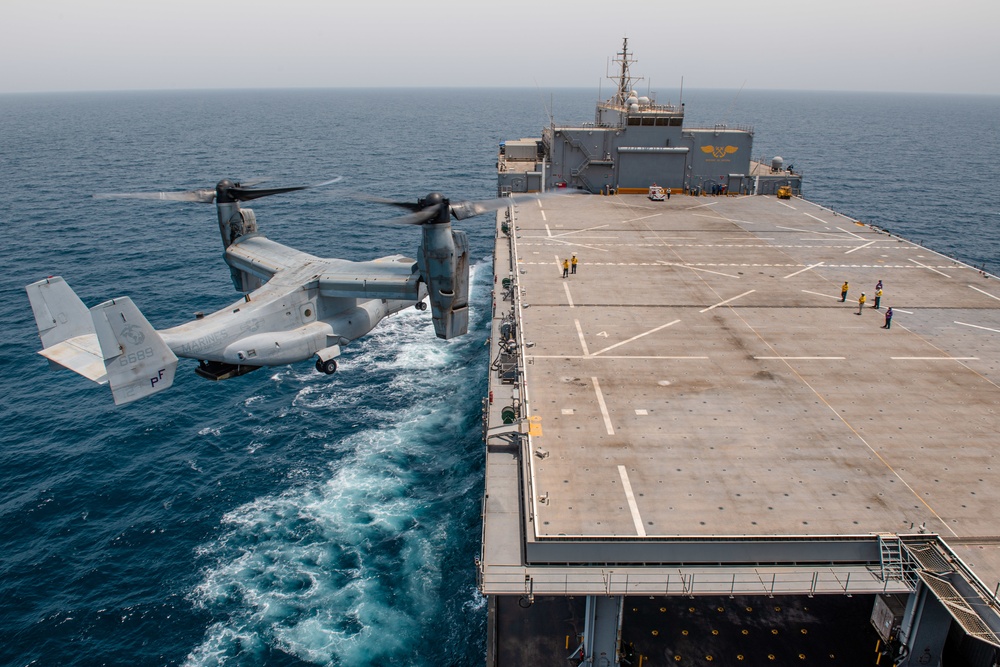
x,y
435,208
225,191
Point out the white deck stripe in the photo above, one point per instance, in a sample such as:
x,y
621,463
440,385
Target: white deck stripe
x,y
860,247
722,303
636,518
611,356
928,268
811,266
645,333
976,326
986,293
604,407
804,358
569,297
695,268
852,234
934,358
829,296
583,341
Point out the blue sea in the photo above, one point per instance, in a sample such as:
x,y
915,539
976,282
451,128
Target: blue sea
x,y
292,518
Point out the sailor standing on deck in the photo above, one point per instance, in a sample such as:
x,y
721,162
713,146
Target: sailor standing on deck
x,y
573,263
843,292
878,297
565,268
861,303
888,319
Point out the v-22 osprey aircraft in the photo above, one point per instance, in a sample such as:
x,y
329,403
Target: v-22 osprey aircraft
x,y
295,305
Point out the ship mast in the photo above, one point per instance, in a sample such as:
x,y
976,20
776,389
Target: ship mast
x,y
625,80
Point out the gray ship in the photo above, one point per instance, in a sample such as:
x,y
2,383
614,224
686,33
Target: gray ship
x,y
703,446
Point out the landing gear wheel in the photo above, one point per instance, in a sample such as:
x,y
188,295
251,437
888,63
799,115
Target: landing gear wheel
x,y
329,366
421,305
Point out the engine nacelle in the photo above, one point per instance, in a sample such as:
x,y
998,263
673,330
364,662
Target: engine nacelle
x,y
443,259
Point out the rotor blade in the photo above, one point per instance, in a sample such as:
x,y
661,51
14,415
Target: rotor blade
x,y
468,209
248,194
408,205
250,182
241,193
416,218
199,196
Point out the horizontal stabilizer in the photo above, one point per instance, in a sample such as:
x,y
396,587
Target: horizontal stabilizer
x,y
81,354
137,360
66,328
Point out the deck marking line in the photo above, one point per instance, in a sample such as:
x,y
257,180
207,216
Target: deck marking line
x,y
815,218
636,518
614,356
587,229
829,296
645,333
604,407
986,293
722,303
583,341
934,358
569,297
695,268
803,358
838,237
976,326
860,238
645,217
543,216
929,268
860,247
811,266
789,206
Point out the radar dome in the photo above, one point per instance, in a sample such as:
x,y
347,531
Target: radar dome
x,y
777,163
644,101
633,107
632,101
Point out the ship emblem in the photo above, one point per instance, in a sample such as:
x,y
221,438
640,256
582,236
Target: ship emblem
x,y
133,334
719,151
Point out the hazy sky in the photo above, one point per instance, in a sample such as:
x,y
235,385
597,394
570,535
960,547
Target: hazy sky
x,y
891,45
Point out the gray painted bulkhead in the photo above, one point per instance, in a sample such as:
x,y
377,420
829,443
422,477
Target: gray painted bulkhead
x,y
737,551
596,158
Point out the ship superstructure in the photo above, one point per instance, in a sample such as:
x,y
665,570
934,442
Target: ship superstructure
x,y
698,451
634,143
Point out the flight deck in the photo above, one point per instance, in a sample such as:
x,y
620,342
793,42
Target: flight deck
x,y
694,410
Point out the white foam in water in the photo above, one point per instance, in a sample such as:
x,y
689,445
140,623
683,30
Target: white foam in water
x,y
347,571
332,572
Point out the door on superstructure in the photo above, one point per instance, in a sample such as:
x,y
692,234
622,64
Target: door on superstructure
x,y
640,170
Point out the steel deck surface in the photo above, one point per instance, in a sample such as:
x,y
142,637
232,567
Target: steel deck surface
x,y
699,376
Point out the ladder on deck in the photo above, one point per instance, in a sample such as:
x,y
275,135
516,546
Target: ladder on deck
x,y
896,564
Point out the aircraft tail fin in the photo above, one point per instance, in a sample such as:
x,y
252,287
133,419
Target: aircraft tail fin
x,y
66,328
137,360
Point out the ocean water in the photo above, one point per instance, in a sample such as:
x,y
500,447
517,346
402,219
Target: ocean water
x,y
288,517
